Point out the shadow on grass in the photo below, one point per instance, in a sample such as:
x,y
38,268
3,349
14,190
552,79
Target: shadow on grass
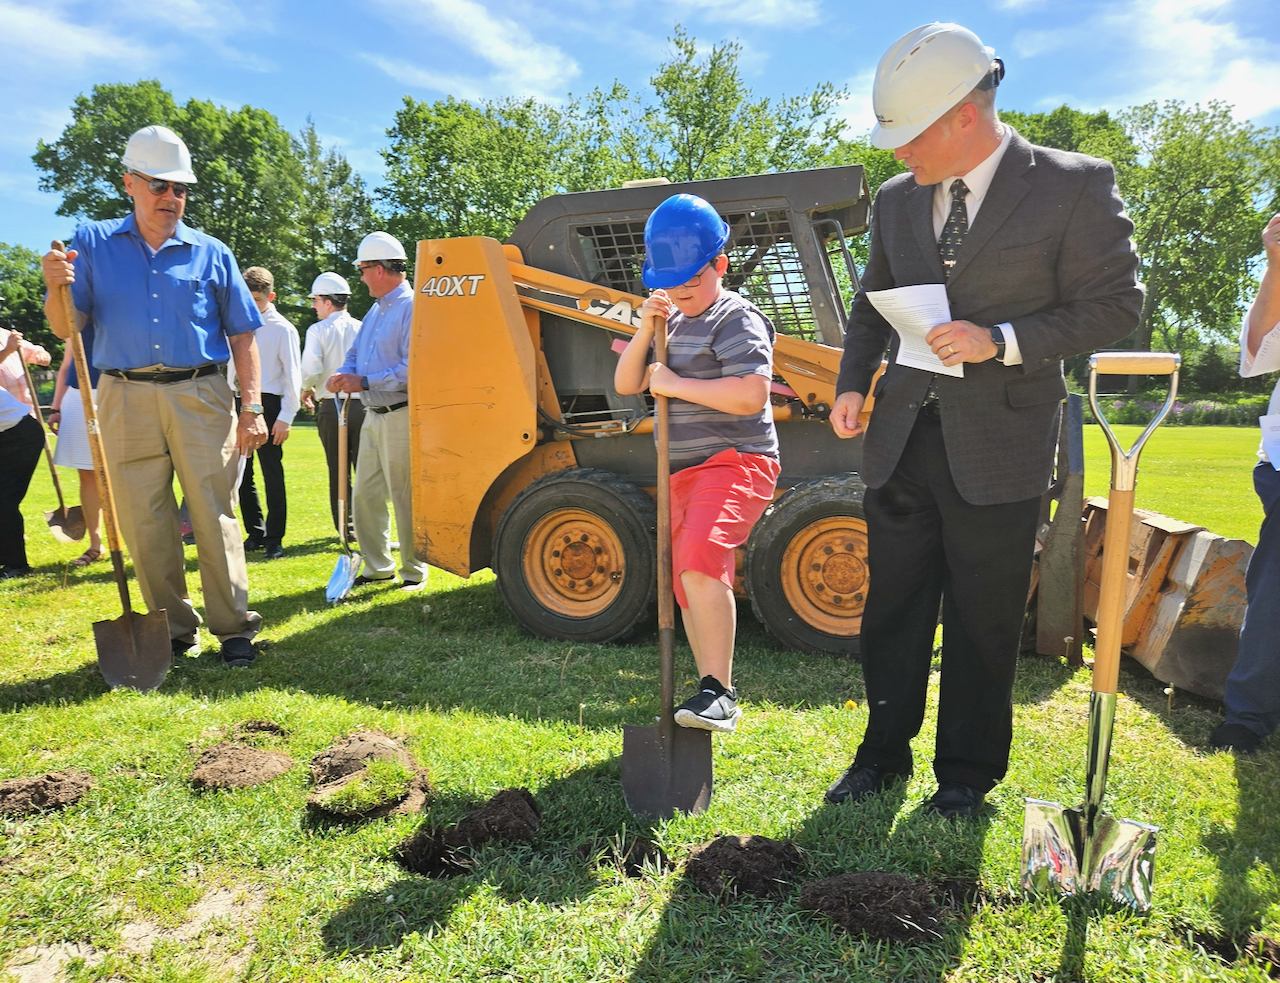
x,y
701,937
549,871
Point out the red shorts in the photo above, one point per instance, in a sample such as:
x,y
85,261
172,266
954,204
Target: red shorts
x,y
713,507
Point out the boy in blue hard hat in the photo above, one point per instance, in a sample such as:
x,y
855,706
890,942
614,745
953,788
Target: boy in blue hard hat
x,y
724,448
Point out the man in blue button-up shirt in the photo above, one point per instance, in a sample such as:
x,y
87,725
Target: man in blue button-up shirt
x,y
169,309
377,367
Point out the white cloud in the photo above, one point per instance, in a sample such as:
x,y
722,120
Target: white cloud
x,y
771,13
38,35
856,109
1171,49
522,65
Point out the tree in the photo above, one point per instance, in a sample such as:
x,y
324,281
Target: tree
x,y
249,185
22,287
1096,134
1201,189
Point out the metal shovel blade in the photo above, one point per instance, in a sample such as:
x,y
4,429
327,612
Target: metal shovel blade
x,y
1059,856
66,524
343,577
662,775
134,650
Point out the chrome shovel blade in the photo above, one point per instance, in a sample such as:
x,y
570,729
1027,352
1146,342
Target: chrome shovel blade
x,y
1059,857
343,577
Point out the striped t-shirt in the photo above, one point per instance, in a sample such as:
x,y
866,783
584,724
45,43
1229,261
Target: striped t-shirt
x,y
730,338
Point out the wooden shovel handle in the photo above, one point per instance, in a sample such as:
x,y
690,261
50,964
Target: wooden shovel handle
x,y
1135,363
35,404
64,310
1112,591
666,599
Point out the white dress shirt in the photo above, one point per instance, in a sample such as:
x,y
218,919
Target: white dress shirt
x,y
281,364
1267,360
978,181
327,344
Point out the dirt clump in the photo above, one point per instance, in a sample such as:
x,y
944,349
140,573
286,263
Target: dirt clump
x,y
878,904
368,775
629,857
250,729
1266,950
512,814
54,790
236,766
427,853
756,865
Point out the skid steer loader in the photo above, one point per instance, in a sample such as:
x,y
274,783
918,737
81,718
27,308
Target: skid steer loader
x,y
526,460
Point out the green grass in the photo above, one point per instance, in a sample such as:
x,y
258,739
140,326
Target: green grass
x,y
379,783
485,706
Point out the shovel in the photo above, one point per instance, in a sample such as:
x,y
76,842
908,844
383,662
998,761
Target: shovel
x,y
66,524
348,566
666,767
134,649
1081,850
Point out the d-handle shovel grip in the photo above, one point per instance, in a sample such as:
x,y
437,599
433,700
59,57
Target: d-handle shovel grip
x,y
1124,476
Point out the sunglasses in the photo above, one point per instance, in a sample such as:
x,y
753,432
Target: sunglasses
x,y
158,186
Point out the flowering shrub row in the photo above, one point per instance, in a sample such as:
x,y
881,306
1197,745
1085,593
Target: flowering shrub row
x,y
1140,410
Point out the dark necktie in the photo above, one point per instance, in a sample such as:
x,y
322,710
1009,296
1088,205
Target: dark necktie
x,y
956,229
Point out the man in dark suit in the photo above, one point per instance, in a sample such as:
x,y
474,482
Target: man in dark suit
x,y
1034,248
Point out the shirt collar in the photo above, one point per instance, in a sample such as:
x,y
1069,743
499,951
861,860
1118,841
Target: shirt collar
x,y
979,179
183,233
395,296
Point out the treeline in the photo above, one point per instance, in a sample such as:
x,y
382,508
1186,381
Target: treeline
x,y
1199,184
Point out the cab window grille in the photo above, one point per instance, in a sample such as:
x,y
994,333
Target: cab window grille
x,y
764,265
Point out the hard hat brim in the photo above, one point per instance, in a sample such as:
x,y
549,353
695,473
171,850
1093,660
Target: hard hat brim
x,y
181,175
666,279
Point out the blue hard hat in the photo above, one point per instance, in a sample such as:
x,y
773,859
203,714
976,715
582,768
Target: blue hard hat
x,y
682,236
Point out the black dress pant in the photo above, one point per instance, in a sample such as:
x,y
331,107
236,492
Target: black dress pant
x,y
925,543
269,529
20,449
327,424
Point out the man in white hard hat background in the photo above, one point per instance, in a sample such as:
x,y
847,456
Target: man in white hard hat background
x,y
377,367
169,309
324,351
281,385
1034,248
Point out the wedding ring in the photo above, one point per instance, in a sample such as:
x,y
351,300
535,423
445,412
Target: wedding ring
x,y
950,351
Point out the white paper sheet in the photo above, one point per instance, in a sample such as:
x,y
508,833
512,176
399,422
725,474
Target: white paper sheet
x,y
914,312
1271,437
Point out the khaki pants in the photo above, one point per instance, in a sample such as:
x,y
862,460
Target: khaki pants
x,y
151,431
383,473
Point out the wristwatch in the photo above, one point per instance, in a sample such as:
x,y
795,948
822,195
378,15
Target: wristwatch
x,y
997,336
364,382
254,408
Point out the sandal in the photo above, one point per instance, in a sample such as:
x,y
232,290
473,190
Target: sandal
x,y
88,556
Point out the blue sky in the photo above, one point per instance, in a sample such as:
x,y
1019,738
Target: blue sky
x,y
348,65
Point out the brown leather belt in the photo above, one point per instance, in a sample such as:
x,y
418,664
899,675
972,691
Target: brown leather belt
x,y
175,375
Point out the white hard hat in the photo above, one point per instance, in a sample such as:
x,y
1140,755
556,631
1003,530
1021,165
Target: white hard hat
x,y
922,75
379,245
328,284
157,151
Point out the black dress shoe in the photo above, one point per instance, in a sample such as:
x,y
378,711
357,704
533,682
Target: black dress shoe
x,y
955,801
1235,737
238,653
252,544
857,784
274,551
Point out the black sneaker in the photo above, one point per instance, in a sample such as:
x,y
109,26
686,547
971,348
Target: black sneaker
x,y
711,708
238,653
1235,737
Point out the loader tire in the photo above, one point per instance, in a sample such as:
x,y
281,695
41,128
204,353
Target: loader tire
x,y
575,556
806,566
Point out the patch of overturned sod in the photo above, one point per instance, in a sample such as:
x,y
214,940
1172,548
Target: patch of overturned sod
x,y
42,793
630,857
757,865
512,814
1256,949
368,775
251,730
230,765
878,904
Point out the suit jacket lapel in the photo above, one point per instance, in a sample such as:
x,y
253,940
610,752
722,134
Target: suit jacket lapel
x,y
920,207
1008,187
